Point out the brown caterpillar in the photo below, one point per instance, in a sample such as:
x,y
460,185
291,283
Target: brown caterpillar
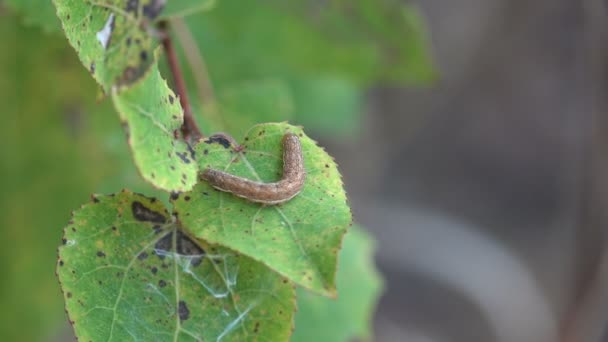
x,y
285,189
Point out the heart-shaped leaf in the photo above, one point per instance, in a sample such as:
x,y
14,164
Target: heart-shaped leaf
x,y
128,272
152,116
347,318
299,239
111,37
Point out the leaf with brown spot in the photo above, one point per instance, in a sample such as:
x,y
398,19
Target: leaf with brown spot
x,y
184,289
112,35
151,119
301,238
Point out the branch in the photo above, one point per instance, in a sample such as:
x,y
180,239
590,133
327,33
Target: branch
x,y
190,130
198,68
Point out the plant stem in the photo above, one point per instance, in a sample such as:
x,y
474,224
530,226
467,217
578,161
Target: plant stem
x,y
190,130
199,70
195,60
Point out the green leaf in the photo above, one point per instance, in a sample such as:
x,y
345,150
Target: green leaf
x,y
299,239
383,40
153,116
39,13
244,104
129,273
347,318
183,8
329,106
111,37
60,145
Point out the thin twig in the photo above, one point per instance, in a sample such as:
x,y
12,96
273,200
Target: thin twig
x,y
198,67
195,60
190,130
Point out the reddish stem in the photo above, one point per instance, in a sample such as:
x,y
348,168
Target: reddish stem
x,y
190,130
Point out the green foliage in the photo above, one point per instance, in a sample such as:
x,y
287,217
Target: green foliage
x,y
111,38
152,118
329,106
269,61
128,272
183,8
59,145
352,39
347,318
299,239
244,104
337,46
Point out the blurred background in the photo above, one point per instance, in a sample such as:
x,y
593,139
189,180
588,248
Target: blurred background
x,y
471,136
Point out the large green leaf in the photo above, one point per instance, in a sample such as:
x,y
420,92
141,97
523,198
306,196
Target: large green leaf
x,y
326,52
301,238
129,273
347,318
362,41
244,104
111,37
330,106
153,117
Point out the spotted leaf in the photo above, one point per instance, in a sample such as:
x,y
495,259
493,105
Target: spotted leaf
x,y
128,272
152,117
301,238
112,37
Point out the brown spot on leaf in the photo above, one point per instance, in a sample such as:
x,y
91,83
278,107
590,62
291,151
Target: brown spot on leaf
x,y
219,138
183,156
183,311
143,213
132,6
153,8
162,283
163,245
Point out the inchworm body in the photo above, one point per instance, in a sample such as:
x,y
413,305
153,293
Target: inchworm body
x,y
285,189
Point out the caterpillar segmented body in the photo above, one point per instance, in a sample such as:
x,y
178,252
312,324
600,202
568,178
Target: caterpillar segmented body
x,y
278,192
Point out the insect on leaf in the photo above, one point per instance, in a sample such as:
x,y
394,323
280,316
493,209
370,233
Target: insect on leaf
x,y
301,238
128,272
